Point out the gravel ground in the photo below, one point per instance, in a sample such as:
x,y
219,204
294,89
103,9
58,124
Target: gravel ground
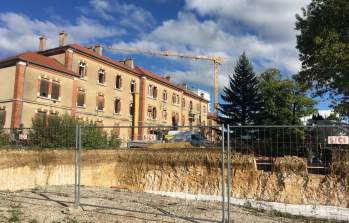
x,y
54,204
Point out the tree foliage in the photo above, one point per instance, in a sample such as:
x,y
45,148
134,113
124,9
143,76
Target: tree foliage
x,y
323,44
242,100
285,101
60,132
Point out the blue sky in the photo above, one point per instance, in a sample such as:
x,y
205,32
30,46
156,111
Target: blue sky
x,y
262,28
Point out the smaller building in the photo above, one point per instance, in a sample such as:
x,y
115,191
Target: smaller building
x,y
213,130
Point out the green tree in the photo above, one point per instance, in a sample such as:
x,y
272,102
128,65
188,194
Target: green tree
x,y
285,102
242,100
323,43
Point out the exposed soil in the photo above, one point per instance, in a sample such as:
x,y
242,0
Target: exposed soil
x,y
54,204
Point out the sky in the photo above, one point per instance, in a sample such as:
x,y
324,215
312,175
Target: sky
x,y
264,29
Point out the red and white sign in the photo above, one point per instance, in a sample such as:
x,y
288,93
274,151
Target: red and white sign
x,y
150,137
23,136
338,140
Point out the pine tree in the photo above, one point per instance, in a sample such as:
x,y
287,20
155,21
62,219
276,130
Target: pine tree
x,y
242,100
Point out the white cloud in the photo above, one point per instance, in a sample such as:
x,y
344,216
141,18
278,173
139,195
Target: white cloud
x,y
19,33
126,15
187,34
272,19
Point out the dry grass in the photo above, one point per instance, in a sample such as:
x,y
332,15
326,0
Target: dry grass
x,y
290,164
171,145
18,158
244,162
340,168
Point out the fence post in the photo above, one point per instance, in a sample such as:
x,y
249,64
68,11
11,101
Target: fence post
x,y
223,180
228,171
77,165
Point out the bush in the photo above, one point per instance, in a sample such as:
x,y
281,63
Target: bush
x,y
5,138
60,131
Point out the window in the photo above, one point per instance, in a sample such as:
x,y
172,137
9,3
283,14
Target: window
x,y
175,99
2,117
55,93
190,105
164,114
175,117
81,98
100,102
183,120
50,89
164,95
154,113
44,88
152,91
117,106
42,117
183,102
151,114
118,82
101,76
82,69
155,92
204,109
133,86
131,109
198,107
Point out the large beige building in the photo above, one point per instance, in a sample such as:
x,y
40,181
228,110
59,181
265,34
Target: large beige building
x,y
83,83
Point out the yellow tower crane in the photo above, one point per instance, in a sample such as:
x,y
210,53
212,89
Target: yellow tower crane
x,y
215,59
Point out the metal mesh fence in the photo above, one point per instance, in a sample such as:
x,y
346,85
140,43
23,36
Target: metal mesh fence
x,y
184,161
319,146
38,138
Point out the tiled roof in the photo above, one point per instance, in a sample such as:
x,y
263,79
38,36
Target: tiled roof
x,y
93,53
41,60
159,78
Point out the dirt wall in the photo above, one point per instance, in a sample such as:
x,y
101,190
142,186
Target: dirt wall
x,y
190,171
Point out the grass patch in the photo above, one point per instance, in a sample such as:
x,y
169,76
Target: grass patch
x,y
280,214
15,214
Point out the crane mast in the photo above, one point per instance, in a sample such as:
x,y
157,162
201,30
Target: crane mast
x,y
215,59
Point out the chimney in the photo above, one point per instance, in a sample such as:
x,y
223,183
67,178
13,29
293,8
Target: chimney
x,y
98,49
129,62
63,36
168,77
42,43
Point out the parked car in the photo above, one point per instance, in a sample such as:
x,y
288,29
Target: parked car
x,y
195,139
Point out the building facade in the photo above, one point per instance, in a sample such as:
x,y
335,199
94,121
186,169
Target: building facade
x,y
79,81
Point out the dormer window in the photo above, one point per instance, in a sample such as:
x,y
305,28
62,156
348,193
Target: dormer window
x,y
82,70
101,76
118,81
